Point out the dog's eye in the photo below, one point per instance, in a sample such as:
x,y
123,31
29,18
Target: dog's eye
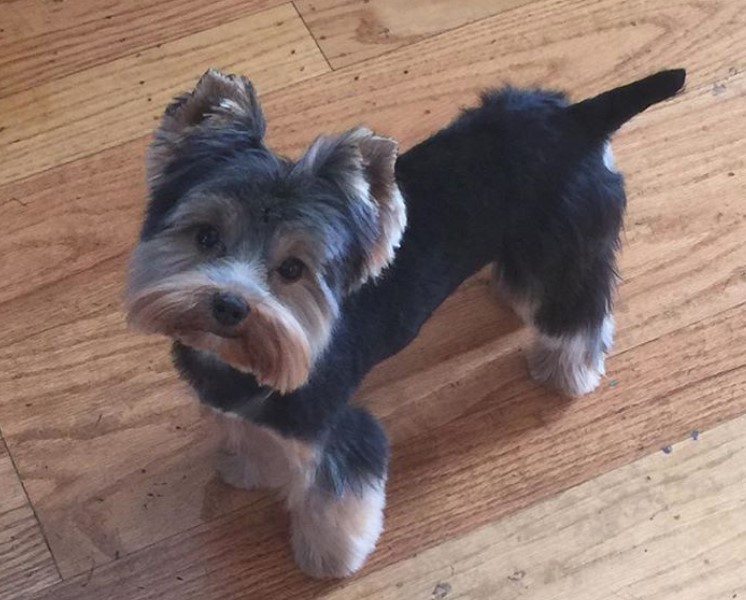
x,y
207,237
291,269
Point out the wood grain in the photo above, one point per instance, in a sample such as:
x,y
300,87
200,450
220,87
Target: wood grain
x,y
332,110
105,105
113,453
349,31
71,218
86,406
122,459
514,447
41,40
667,527
414,91
11,491
26,565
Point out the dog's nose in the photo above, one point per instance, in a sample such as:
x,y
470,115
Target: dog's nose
x,y
229,309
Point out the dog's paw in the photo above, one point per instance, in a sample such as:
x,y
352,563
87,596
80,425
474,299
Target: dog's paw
x,y
570,377
235,470
573,364
332,537
318,558
332,554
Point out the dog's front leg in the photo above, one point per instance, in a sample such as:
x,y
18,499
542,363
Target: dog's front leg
x,y
338,517
252,456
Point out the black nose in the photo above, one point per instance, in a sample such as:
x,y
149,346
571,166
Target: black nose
x,y
229,309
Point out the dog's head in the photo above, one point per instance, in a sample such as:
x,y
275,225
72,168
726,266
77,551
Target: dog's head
x,y
247,254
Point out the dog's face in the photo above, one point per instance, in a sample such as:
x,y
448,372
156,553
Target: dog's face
x,y
247,254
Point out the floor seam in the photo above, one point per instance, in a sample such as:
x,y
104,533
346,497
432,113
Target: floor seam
x,y
44,536
313,37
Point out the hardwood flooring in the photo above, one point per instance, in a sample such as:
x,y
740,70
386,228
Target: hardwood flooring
x,y
499,489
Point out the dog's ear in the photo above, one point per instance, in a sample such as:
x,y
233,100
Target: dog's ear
x,y
217,101
363,165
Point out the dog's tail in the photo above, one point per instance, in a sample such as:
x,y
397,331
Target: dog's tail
x,y
602,115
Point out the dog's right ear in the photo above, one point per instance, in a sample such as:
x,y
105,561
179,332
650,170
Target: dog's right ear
x,y
217,101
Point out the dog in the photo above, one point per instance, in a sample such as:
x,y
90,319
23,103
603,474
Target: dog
x,y
283,282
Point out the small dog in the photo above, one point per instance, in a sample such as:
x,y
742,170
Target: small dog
x,y
282,282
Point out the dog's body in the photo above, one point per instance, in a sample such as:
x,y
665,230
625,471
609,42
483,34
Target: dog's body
x,y
525,181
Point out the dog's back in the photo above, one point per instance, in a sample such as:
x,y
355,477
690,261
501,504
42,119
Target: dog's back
x,y
527,180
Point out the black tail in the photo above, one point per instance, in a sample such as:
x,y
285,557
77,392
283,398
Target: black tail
x,y
602,115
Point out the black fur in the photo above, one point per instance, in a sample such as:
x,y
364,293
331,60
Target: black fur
x,y
520,180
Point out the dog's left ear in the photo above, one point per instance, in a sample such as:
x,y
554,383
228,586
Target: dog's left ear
x,y
363,165
218,101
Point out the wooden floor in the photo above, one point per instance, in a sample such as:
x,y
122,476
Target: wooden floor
x,y
499,489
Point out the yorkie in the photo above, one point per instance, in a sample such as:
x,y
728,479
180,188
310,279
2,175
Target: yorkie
x,y
283,282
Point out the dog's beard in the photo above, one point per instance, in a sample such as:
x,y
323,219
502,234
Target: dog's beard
x,y
270,343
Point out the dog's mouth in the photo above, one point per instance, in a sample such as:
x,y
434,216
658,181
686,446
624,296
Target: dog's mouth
x,y
227,334
269,342
281,361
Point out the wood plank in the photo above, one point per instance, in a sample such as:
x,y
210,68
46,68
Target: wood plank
x,y
103,106
408,121
42,40
11,491
583,46
71,218
26,565
669,526
86,406
517,446
350,31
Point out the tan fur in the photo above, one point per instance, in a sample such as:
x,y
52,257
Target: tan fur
x,y
289,326
258,457
372,180
172,306
379,156
170,287
572,364
310,301
216,96
333,536
270,343
313,313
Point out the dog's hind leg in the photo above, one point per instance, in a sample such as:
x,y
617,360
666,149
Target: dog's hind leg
x,y
557,270
573,325
574,331
572,362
